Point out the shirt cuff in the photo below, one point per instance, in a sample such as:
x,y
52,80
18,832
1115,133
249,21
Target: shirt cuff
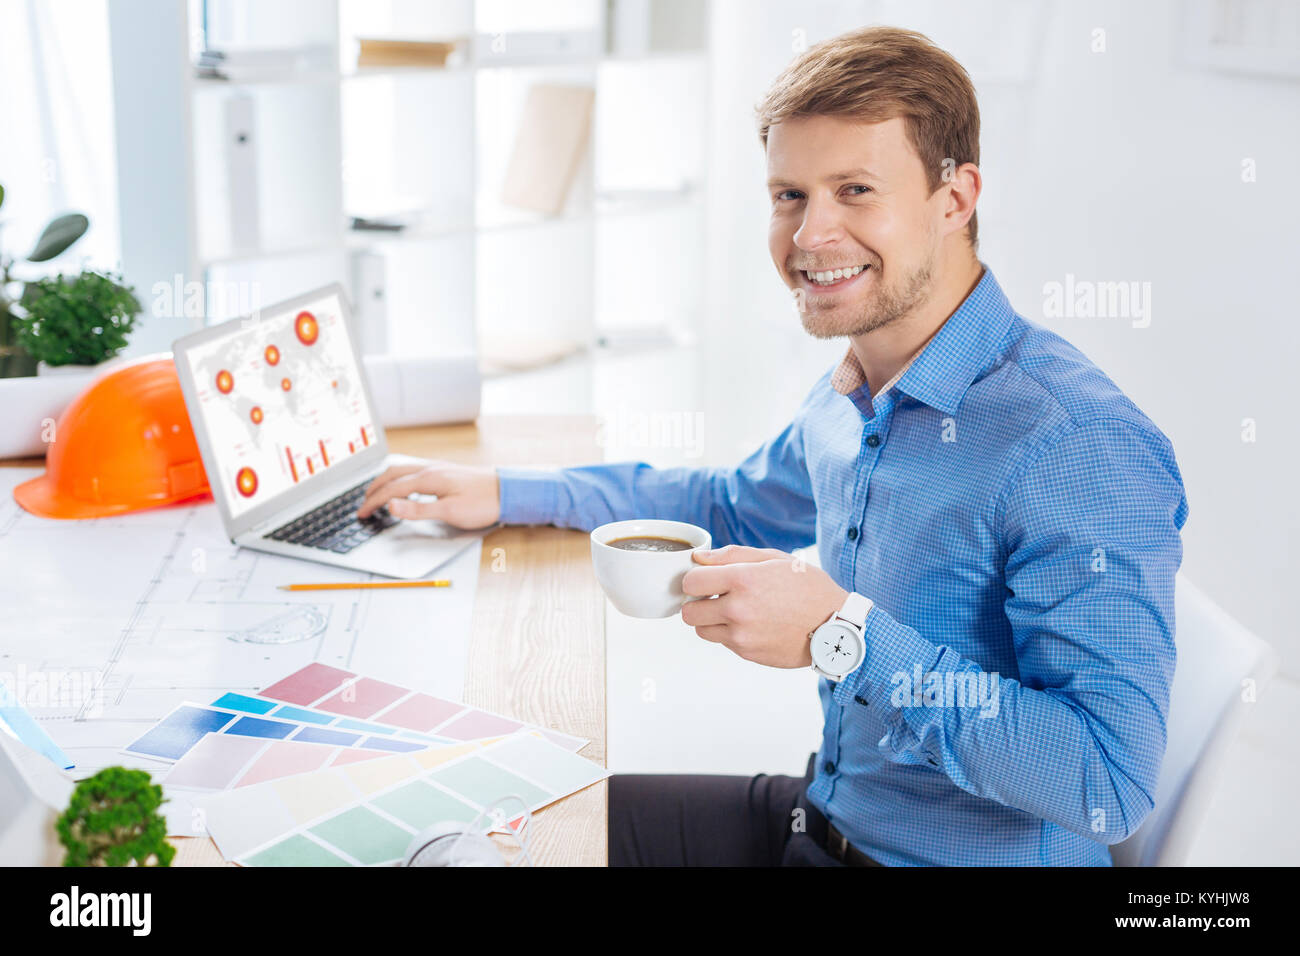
x,y
529,495
894,653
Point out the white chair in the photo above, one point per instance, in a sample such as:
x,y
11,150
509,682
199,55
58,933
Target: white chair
x,y
1215,656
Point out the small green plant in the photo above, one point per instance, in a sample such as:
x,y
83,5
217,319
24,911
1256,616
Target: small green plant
x,y
55,239
112,820
77,320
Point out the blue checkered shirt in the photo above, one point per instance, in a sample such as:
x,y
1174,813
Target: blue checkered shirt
x,y
1015,519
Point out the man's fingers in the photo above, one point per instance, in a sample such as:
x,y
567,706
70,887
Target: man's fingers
x,y
371,500
717,633
737,554
702,582
388,474
707,611
399,486
406,508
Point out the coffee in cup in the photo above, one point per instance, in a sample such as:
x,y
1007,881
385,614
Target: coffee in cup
x,y
648,542
640,563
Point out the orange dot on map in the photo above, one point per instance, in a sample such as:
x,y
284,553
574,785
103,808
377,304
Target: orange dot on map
x,y
256,414
307,328
225,382
286,384
246,482
272,355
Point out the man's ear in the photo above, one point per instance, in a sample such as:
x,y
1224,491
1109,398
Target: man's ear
x,y
962,192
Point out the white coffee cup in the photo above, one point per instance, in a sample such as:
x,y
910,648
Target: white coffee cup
x,y
646,583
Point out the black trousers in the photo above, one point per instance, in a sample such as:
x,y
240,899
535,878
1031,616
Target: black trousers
x,y
715,820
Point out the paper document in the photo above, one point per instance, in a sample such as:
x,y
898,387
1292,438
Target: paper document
x,y
113,623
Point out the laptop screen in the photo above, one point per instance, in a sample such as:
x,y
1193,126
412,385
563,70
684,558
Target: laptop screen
x,y
281,399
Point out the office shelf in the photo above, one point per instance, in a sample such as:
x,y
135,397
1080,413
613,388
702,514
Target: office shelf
x,y
330,144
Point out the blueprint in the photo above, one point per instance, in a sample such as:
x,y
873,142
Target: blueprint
x,y
107,624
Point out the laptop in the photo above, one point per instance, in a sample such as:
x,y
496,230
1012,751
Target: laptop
x,y
286,426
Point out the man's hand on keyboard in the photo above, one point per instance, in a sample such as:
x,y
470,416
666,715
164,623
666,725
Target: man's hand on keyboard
x,y
468,497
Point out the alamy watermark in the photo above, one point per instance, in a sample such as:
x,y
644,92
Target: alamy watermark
x,y
965,689
1089,299
633,428
178,299
62,690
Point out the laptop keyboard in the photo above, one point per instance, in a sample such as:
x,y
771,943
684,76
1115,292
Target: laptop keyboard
x,y
334,526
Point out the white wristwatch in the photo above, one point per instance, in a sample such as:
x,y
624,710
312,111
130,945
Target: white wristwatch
x,y
839,646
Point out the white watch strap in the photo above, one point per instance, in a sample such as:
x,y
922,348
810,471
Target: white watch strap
x,y
855,610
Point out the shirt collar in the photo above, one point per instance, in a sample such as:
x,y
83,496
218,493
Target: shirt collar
x,y
953,359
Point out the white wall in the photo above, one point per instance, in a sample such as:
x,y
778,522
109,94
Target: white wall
x,y
1113,166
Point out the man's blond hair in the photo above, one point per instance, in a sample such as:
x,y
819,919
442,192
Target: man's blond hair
x,y
879,73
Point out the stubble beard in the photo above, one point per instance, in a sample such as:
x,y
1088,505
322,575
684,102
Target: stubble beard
x,y
886,305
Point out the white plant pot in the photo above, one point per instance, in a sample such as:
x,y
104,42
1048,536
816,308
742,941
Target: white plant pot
x,y
43,369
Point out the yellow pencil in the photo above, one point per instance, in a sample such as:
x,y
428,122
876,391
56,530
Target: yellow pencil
x,y
347,586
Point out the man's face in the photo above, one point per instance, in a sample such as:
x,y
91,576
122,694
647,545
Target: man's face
x,y
852,198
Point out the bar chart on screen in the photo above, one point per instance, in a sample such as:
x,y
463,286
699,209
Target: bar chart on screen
x,y
283,398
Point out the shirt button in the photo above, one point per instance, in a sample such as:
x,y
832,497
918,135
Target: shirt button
x,y
853,534
829,766
873,441
862,700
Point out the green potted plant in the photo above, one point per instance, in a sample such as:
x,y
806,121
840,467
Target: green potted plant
x,y
76,322
57,237
112,820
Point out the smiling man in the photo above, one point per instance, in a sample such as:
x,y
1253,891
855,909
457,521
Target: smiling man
x,y
998,525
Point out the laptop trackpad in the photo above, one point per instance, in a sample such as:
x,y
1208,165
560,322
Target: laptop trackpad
x,y
417,532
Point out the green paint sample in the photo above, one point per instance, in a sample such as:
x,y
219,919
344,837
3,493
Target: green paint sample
x,y
296,850
552,768
485,783
364,835
419,805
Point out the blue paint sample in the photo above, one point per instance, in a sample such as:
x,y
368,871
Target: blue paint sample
x,y
314,735
300,715
351,724
389,743
249,705
256,727
180,731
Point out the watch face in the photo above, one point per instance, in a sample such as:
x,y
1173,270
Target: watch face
x,y
836,649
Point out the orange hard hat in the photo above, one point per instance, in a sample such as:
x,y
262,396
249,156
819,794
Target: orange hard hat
x,y
124,444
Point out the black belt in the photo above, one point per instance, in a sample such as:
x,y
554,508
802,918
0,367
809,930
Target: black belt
x,y
838,846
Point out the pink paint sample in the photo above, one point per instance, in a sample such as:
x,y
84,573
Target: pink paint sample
x,y
283,759
356,755
308,685
214,761
420,712
478,723
561,740
363,698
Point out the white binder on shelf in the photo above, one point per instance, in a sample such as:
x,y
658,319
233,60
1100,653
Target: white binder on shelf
x,y
241,163
370,302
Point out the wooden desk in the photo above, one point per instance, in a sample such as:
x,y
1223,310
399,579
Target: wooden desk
x,y
537,648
